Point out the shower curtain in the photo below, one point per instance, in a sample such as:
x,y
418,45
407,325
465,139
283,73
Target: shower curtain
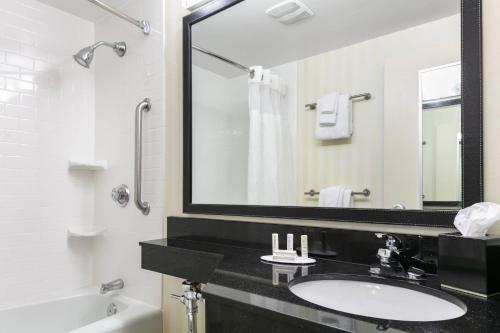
x,y
270,156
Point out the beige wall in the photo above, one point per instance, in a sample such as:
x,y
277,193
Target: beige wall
x,y
402,171
491,100
174,313
372,158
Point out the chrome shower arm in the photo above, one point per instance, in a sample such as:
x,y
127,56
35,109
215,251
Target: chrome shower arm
x,y
119,47
101,43
85,56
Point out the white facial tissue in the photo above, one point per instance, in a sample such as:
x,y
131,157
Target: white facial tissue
x,y
476,220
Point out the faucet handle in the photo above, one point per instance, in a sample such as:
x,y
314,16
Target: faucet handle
x,y
416,274
385,255
180,298
393,243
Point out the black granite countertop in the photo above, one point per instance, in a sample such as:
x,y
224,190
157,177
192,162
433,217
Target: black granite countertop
x,y
237,274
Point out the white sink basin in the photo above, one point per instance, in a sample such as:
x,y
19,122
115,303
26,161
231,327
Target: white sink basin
x,y
390,300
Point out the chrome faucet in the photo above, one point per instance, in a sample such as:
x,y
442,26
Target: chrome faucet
x,y
391,261
113,285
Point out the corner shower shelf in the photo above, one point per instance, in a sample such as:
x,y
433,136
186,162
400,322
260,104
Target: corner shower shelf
x,y
85,232
88,165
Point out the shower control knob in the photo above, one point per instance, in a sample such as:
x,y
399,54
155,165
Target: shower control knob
x,y
121,195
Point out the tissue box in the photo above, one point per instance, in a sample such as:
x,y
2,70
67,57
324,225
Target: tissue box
x,y
470,264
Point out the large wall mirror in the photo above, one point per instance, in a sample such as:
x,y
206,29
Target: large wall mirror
x,y
355,110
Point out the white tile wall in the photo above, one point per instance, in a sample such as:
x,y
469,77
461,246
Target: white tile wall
x,y
46,117
121,83
220,139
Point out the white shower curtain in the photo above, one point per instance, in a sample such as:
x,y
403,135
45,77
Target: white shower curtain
x,y
270,162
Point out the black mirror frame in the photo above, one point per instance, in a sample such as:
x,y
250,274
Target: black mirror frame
x,y
472,145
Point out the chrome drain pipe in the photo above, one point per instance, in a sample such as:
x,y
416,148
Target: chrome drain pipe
x,y
190,297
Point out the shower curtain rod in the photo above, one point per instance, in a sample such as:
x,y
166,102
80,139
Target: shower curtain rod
x,y
144,25
224,59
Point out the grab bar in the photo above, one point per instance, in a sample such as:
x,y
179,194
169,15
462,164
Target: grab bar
x,y
144,105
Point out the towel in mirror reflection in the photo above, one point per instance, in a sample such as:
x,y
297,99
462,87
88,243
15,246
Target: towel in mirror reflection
x,y
336,196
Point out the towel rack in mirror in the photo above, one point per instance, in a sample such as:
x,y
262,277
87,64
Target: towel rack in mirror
x,y
359,97
366,193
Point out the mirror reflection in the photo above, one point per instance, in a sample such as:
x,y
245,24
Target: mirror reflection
x,y
341,103
441,136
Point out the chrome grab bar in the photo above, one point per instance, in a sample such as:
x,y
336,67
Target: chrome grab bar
x,y
145,106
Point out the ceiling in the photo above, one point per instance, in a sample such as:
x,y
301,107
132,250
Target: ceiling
x,y
85,9
245,34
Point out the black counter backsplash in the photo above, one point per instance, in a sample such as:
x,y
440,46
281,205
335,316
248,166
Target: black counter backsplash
x,y
350,245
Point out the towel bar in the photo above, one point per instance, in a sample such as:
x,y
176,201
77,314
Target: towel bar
x,y
366,193
359,97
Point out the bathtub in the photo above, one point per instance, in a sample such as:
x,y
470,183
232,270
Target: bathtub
x,y
85,312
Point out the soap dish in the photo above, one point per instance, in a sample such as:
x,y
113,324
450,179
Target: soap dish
x,y
85,232
297,261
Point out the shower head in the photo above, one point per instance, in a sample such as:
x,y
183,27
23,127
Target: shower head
x,y
85,56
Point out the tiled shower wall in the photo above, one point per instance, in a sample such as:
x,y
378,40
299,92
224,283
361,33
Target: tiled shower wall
x,y
46,118
52,110
121,83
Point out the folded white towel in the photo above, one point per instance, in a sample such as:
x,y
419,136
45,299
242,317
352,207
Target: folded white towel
x,y
343,125
326,116
347,201
329,197
343,128
335,196
327,107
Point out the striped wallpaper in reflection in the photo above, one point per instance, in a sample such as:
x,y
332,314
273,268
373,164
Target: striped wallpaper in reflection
x,y
356,162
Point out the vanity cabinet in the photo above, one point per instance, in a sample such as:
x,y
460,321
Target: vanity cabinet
x,y
224,316
242,294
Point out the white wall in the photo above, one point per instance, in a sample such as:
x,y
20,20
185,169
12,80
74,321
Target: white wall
x,y
221,132
46,117
220,138
121,83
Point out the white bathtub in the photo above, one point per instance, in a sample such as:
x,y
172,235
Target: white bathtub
x,y
85,312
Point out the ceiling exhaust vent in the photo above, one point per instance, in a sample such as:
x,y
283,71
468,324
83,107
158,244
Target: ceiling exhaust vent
x,y
290,11
194,4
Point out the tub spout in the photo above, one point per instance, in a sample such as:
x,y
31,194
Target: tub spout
x,y
113,285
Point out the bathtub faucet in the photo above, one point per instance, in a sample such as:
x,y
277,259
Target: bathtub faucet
x,y
113,285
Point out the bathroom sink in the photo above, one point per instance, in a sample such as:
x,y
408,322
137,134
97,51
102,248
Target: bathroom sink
x,y
378,298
